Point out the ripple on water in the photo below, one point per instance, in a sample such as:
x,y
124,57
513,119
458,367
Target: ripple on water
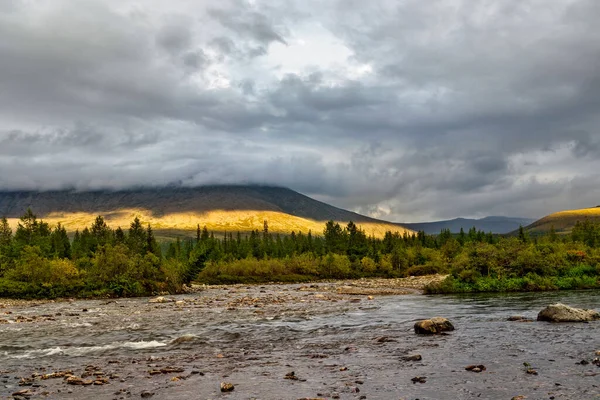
x,y
79,351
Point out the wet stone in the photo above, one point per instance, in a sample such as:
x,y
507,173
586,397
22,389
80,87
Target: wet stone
x,y
291,376
227,387
531,371
26,393
519,318
433,326
475,368
415,357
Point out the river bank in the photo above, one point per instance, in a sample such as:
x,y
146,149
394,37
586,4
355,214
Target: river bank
x,y
372,286
337,344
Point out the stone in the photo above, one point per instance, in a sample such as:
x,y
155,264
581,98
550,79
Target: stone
x,y
419,379
519,318
59,374
531,371
291,375
146,394
433,326
75,380
476,368
227,387
160,299
23,393
563,313
170,370
415,357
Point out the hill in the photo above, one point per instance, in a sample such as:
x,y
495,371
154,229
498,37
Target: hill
x,y
563,221
178,210
487,224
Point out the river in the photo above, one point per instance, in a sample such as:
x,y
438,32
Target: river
x,y
337,345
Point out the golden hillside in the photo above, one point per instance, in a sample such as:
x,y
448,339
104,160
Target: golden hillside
x,y
173,212
563,221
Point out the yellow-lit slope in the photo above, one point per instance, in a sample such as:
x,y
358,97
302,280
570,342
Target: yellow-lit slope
x,y
563,221
218,221
175,210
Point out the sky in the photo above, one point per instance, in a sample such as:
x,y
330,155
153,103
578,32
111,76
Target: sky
x,y
405,110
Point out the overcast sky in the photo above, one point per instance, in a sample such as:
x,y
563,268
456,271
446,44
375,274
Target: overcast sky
x,y
406,110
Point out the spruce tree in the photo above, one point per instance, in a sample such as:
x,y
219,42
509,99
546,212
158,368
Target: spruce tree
x,y
5,233
136,238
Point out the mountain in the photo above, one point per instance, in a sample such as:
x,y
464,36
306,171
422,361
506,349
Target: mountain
x,y
178,210
487,224
563,221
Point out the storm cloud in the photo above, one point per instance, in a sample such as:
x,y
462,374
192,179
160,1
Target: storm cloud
x,y
403,110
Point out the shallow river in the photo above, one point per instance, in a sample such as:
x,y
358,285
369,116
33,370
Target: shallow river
x,y
338,346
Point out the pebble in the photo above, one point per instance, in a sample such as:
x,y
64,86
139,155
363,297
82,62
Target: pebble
x,y
291,376
519,318
531,371
23,393
476,368
227,387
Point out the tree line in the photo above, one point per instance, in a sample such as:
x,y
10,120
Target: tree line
x,y
39,261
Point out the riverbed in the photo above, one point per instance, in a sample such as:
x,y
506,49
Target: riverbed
x,y
338,343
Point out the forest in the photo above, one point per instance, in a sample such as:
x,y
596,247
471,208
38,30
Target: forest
x,y
39,261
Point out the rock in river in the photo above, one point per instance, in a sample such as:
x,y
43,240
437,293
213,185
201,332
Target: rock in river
x,y
226,387
161,299
563,313
433,326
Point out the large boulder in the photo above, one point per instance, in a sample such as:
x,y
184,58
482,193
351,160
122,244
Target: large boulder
x,y
563,313
433,326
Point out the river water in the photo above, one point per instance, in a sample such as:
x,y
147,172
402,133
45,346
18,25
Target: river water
x,y
338,346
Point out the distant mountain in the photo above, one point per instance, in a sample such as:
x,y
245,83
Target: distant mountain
x,y
487,224
176,210
563,221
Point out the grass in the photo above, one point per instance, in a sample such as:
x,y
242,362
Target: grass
x,y
563,221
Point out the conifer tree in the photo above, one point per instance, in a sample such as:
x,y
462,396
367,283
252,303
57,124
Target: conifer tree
x,y
60,244
136,238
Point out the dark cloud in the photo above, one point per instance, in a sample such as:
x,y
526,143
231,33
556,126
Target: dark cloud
x,y
245,22
402,110
175,37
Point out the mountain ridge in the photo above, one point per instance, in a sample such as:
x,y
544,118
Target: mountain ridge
x,y
219,207
494,224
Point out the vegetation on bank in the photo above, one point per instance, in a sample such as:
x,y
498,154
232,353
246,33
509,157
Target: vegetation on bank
x,y
37,261
549,262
